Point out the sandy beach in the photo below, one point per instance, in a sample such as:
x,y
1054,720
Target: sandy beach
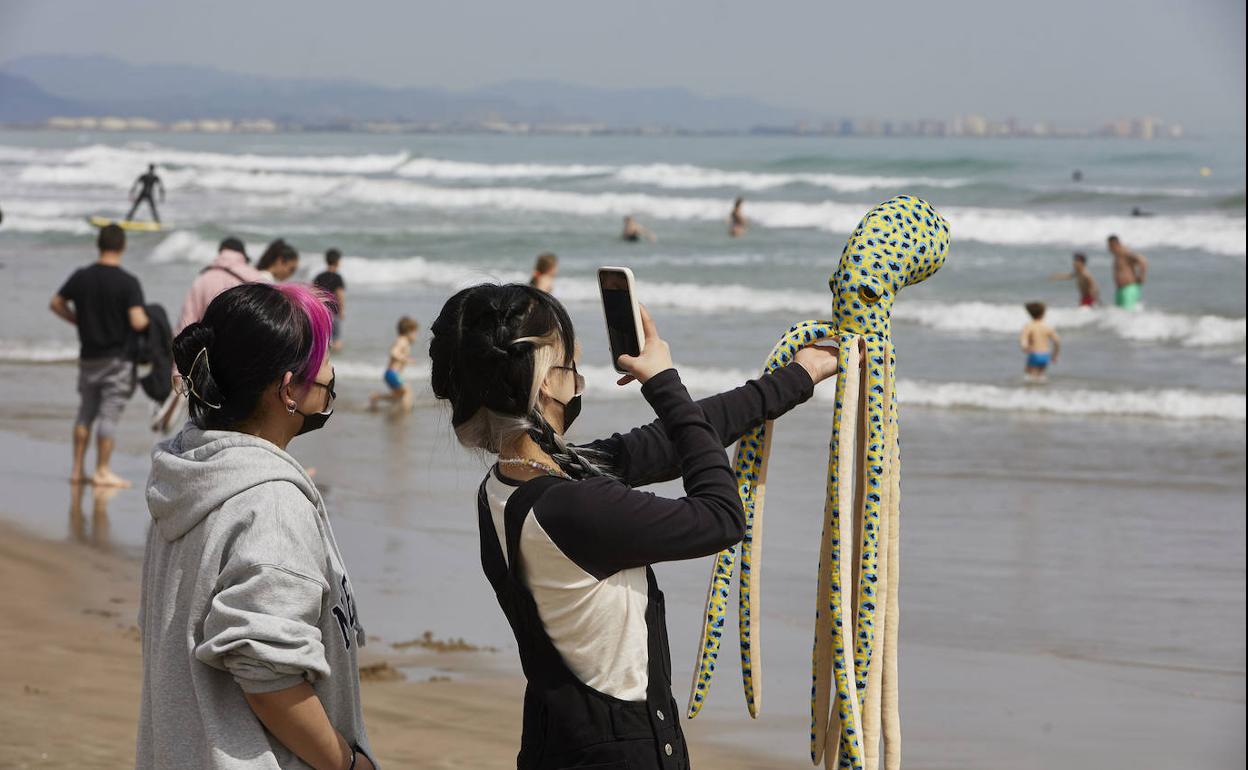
x,y
71,671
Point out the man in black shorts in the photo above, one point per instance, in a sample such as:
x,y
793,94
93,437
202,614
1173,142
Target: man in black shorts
x,y
330,281
105,304
146,185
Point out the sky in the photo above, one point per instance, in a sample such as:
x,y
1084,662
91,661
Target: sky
x,y
1077,62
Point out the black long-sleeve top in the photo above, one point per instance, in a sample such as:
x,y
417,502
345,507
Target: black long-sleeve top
x,y
605,525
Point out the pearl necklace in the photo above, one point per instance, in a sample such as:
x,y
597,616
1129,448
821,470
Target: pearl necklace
x,y
534,464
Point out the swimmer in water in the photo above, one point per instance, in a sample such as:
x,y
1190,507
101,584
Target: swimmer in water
x,y
634,232
737,221
1089,291
1130,270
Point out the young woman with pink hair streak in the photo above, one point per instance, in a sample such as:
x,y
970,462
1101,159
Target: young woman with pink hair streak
x,y
249,629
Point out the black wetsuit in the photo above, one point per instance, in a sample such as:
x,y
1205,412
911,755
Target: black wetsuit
x,y
149,182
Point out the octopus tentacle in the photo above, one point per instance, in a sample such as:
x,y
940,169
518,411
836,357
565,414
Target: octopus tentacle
x,y
833,631
750,468
888,703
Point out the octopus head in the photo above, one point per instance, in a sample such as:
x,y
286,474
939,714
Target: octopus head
x,y
900,242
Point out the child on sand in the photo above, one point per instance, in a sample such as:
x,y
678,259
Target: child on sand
x,y
1040,342
400,354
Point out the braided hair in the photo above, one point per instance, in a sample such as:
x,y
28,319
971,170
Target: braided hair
x,y
491,350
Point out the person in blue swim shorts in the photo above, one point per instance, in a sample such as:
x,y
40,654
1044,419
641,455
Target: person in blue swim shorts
x,y
400,354
1040,342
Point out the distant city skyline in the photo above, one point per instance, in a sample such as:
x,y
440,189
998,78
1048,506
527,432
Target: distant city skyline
x,y
1062,62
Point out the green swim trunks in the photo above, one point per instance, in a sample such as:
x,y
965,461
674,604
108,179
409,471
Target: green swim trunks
x,y
1127,297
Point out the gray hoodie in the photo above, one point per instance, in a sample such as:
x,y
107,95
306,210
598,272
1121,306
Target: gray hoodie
x,y
244,590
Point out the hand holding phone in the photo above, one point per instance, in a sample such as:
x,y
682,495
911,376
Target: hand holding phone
x,y
655,358
623,314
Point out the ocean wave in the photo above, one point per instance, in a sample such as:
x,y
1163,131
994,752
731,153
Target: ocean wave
x,y
17,223
1215,233
137,157
1138,326
14,352
688,177
433,168
1168,404
958,317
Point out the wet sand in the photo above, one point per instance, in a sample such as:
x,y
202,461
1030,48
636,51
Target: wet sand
x,y
70,676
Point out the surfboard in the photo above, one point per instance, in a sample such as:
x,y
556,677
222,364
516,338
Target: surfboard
x,y
126,224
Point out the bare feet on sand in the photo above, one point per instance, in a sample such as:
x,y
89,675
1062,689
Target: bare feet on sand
x,y
104,477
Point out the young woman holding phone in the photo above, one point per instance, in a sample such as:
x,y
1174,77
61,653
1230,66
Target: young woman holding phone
x,y
566,539
249,630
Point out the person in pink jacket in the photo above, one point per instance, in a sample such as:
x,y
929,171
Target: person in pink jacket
x,y
229,269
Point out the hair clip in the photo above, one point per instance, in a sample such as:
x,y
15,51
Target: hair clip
x,y
187,381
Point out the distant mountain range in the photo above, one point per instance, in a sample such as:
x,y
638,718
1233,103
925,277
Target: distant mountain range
x,y
35,88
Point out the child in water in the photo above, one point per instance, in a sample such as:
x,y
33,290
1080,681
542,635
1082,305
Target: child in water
x,y
400,354
1040,342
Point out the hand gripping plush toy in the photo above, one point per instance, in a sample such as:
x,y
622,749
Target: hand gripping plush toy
x,y
898,243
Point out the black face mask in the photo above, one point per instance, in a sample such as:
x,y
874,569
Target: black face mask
x,y
570,411
317,420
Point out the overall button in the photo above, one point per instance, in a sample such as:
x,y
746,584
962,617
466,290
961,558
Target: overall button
x,y
659,714
667,749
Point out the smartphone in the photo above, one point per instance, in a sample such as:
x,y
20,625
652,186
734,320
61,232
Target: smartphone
x,y
619,305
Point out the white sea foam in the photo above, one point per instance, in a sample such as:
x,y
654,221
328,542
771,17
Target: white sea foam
x,y
186,246
1169,404
17,352
958,317
108,167
135,157
28,224
1140,326
688,177
433,168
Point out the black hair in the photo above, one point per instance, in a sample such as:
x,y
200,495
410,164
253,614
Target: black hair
x,y
482,352
232,243
277,251
333,257
249,337
1081,258
1112,239
111,238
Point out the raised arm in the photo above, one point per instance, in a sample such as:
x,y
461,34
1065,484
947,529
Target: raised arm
x,y
646,455
605,526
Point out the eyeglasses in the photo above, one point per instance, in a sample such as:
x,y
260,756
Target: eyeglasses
x,y
579,379
332,396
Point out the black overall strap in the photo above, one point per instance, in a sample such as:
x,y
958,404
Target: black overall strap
x,y
567,723
517,510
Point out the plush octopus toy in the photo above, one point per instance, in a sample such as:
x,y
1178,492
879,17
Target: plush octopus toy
x,y
900,242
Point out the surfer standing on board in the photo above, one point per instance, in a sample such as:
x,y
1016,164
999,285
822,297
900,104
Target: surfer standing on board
x,y
147,182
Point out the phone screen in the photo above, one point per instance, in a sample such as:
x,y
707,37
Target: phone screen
x,y
617,303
